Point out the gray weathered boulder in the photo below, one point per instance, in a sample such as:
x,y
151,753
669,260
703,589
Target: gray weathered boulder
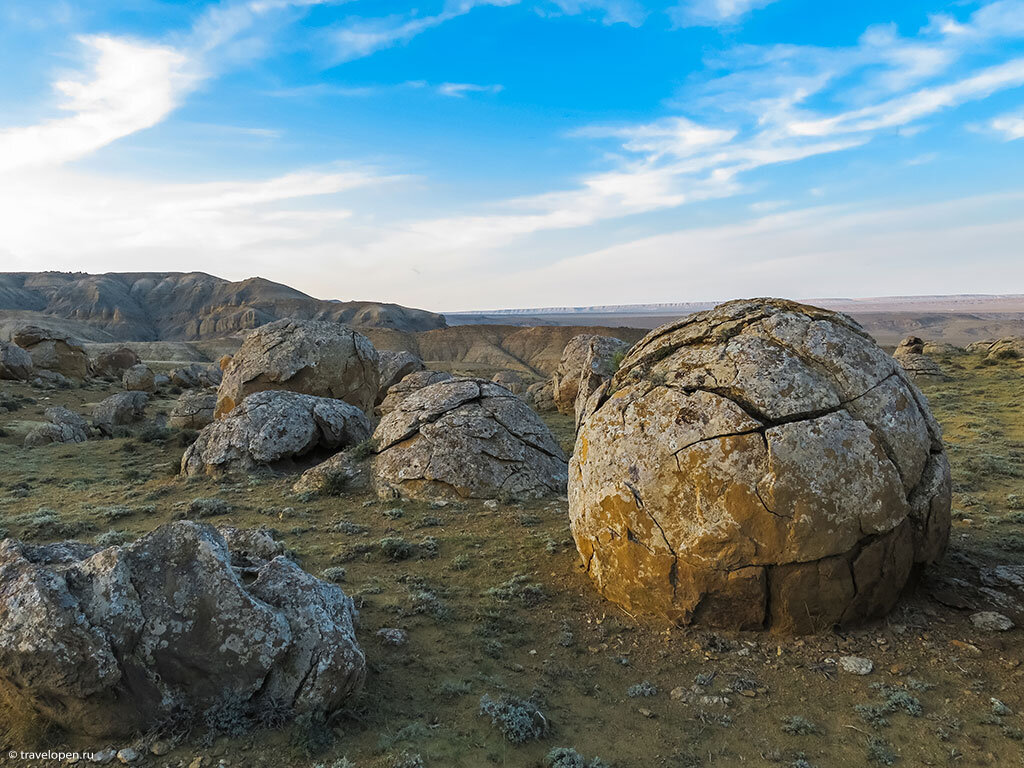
x,y
340,472
541,395
193,409
761,464
15,362
139,378
409,384
120,410
195,375
584,356
513,381
113,364
53,351
272,427
306,356
112,642
1008,348
65,427
395,366
466,438
910,354
44,379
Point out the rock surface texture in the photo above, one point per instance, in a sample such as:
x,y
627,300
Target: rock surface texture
x,y
411,383
15,362
466,438
760,465
341,472
271,427
196,375
193,409
585,357
309,357
65,427
184,620
53,351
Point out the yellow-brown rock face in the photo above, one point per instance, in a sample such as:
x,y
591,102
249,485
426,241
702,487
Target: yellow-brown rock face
x,y
762,464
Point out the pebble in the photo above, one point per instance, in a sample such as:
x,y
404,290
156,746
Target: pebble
x,y
715,701
127,755
990,621
678,693
160,747
104,756
998,708
392,636
491,504
646,712
856,665
196,762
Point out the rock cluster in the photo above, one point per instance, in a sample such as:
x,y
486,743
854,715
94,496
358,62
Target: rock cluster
x,y
1009,348
181,622
466,438
762,464
310,357
53,351
271,427
910,354
65,427
195,375
113,364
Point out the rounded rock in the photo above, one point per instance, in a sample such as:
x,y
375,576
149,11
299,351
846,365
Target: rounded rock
x,y
760,465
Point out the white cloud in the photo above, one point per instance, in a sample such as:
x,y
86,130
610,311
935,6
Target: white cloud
x,y
458,90
629,12
132,86
713,13
1010,126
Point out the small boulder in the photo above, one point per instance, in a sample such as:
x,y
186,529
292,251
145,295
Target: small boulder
x,y
195,375
466,438
139,378
409,384
65,427
193,409
395,366
44,379
113,364
513,381
53,351
990,621
120,410
584,354
15,362
910,355
272,427
541,395
340,472
1009,348
309,357
856,665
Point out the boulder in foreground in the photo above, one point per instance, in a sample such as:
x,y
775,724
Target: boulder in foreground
x,y
466,438
272,427
305,356
760,465
113,642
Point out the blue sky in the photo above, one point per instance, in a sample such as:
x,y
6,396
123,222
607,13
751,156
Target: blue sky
x,y
470,154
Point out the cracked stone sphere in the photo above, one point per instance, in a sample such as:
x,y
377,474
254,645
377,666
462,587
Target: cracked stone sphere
x,y
760,465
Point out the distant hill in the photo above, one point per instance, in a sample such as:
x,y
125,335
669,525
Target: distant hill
x,y
177,306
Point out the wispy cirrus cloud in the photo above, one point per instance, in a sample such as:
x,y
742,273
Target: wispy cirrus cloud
x,y
1010,127
630,12
459,90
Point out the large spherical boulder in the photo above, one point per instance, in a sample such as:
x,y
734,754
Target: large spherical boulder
x,y
64,426
53,351
273,427
466,438
113,364
15,362
139,378
762,464
187,621
306,356
120,410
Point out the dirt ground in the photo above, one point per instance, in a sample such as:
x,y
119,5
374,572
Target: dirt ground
x,y
494,602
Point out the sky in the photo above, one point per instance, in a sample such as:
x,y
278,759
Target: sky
x,y
481,154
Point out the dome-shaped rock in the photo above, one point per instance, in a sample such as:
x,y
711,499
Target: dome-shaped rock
x,y
761,464
466,438
306,356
